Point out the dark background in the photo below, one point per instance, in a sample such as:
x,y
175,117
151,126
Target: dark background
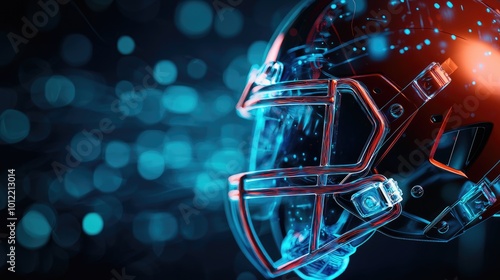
x,y
171,226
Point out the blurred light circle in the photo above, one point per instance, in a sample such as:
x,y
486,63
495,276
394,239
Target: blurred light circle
x,y
122,87
236,73
151,165
14,126
193,18
59,91
224,104
92,224
107,179
177,153
98,5
76,50
150,140
126,45
152,110
78,182
86,145
34,230
67,231
256,52
162,226
117,154
197,68
230,23
165,72
154,227
180,99
197,228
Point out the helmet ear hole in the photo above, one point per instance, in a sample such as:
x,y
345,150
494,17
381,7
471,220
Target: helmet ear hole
x,y
377,91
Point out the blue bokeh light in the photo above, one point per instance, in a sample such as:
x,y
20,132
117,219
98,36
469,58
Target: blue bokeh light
x,y
177,153
180,99
230,23
78,183
155,227
76,50
59,91
197,68
34,230
14,126
165,72
151,165
107,179
117,154
194,18
126,45
92,224
256,52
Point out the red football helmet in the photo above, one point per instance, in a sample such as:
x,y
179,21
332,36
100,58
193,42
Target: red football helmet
x,y
369,115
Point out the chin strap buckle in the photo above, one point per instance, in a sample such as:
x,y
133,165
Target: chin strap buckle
x,y
377,197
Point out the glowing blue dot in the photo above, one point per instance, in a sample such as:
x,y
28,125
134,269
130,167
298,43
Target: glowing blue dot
x,y
177,153
436,30
59,91
427,42
107,179
76,50
470,30
117,154
378,47
92,224
34,231
125,45
473,83
392,47
14,126
78,182
407,31
165,72
437,6
196,68
449,4
419,47
479,23
180,99
453,37
406,48
333,6
151,165
194,18
230,23
162,226
256,51
401,51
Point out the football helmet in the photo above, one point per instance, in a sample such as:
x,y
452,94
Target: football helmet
x,y
369,116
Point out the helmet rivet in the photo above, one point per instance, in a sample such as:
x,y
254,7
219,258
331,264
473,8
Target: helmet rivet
x,y
396,110
417,191
443,227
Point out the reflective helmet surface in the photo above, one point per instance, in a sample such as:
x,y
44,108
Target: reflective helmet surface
x,y
369,115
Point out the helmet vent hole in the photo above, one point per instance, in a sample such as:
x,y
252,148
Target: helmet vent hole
x,y
436,118
377,91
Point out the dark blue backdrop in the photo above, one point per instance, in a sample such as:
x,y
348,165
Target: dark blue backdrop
x,y
118,118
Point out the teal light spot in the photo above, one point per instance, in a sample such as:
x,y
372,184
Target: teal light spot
x,y
437,6
256,51
165,72
407,31
436,30
76,50
419,47
117,154
377,47
123,87
92,224
14,126
150,140
177,153
86,145
236,73
107,179
197,68
162,226
427,42
34,230
152,110
224,104
180,99
479,23
230,24
453,37
194,18
78,183
126,45
59,91
151,165
449,4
